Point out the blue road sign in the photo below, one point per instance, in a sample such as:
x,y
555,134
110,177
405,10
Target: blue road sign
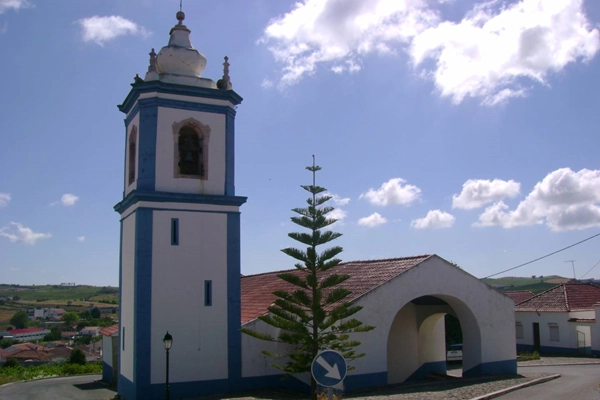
x,y
329,368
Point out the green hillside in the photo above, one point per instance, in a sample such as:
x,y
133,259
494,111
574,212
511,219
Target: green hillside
x,y
535,284
56,293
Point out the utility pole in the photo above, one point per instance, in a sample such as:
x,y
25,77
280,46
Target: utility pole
x,y
573,264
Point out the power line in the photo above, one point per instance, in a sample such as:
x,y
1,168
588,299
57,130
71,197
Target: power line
x,y
590,270
541,258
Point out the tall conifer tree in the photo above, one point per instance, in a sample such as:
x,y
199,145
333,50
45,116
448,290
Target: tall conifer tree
x,y
312,313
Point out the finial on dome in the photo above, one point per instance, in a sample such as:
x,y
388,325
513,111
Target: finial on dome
x,y
180,14
225,82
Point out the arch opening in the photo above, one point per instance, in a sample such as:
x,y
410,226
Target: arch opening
x,y
416,345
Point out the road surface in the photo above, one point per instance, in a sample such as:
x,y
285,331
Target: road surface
x,y
576,382
83,387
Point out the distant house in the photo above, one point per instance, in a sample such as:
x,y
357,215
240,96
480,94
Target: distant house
x,y
90,330
560,320
68,335
27,334
110,353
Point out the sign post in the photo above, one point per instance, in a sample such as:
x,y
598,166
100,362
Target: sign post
x,y
329,369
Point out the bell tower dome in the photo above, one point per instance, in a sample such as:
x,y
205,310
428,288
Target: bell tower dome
x,y
180,228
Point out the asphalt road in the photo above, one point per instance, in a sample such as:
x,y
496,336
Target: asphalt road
x,y
576,382
69,388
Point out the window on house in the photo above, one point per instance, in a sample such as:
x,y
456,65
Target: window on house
x,y
190,152
175,231
132,154
519,330
208,293
554,333
123,339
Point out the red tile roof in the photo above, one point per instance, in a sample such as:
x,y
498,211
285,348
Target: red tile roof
x,y
26,330
563,298
257,290
110,330
519,296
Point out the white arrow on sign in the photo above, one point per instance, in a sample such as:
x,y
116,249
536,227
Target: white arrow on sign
x,y
332,372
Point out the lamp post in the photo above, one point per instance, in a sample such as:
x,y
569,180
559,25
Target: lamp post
x,y
168,341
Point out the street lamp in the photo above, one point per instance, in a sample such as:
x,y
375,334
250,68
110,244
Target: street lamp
x,y
168,341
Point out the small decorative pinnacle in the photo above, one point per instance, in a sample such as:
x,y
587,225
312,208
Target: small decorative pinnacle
x,y
225,82
180,17
137,79
152,66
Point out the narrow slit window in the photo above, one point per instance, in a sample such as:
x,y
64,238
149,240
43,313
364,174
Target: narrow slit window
x,y
123,339
208,293
175,231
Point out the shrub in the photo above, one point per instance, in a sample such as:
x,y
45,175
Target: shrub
x,y
77,357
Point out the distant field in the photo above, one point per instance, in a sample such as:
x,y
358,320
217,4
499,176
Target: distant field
x,y
536,285
54,293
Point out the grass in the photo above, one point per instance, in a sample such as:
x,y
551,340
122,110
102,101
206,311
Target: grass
x,y
536,284
15,374
41,293
528,356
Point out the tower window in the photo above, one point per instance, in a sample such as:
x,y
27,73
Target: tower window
x,y
208,293
132,154
175,231
123,339
190,152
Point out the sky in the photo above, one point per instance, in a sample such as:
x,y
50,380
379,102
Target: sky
x,y
468,129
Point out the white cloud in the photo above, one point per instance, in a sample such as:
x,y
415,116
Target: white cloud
x,y
104,29
338,33
266,83
22,234
339,215
492,54
339,201
4,199
394,191
66,200
81,238
434,219
563,200
487,54
13,4
477,193
372,220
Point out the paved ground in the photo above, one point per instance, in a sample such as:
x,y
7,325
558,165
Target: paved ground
x,y
576,382
83,387
579,382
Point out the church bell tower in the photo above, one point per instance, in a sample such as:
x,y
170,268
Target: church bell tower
x,y
180,229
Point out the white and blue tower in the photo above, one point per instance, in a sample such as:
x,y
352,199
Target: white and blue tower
x,y
180,229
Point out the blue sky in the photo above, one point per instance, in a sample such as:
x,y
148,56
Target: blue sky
x,y
463,128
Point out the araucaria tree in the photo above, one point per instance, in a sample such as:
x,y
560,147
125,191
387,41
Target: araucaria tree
x,y
312,309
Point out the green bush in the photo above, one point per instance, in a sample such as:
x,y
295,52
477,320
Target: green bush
x,y
528,356
77,357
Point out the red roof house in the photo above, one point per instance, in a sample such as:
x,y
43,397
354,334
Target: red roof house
x,y
519,296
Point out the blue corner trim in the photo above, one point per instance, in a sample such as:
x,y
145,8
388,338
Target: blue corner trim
x,y
136,196
426,369
234,303
142,298
126,388
161,87
147,147
120,378
230,154
134,111
492,368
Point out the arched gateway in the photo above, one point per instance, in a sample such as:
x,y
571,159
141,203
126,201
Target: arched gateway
x,y
406,300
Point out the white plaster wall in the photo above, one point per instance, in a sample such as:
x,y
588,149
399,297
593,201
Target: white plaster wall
x,y
165,153
567,330
127,297
178,275
402,352
254,363
107,350
135,121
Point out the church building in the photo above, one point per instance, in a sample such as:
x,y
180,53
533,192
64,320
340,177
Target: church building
x,y
180,262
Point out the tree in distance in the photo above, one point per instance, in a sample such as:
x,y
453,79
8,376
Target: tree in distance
x,y
77,356
19,320
312,313
70,318
96,313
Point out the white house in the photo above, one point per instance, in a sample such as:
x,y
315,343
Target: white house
x,y
90,330
110,353
559,320
26,334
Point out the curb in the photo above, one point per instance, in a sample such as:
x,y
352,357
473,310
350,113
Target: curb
x,y
559,364
514,388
